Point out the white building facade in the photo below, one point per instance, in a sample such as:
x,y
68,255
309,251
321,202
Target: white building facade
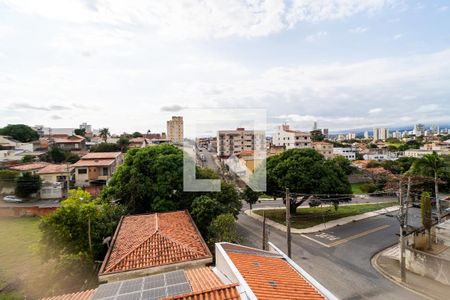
x,y
348,153
291,139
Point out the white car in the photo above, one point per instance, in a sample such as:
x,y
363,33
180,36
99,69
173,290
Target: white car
x,y
12,198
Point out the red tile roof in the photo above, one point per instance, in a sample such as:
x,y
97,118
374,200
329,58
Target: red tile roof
x,y
68,139
101,155
84,295
269,275
54,168
225,292
93,162
143,241
30,166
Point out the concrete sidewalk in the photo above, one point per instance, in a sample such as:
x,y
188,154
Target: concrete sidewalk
x,y
322,226
387,263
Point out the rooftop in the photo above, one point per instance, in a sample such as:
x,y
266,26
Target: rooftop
x,y
68,139
54,168
93,162
150,240
30,166
101,155
257,269
84,295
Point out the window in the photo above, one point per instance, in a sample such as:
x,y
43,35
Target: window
x,y
105,171
82,171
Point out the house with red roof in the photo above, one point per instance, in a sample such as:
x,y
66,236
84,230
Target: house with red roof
x,y
96,168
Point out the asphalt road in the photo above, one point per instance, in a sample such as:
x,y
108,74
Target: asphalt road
x,y
339,258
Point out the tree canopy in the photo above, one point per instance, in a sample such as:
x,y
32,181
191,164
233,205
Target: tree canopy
x,y
106,147
151,179
20,132
27,184
306,172
317,136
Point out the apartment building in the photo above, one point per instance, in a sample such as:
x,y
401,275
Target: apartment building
x,y
291,139
175,130
324,148
348,153
233,142
380,134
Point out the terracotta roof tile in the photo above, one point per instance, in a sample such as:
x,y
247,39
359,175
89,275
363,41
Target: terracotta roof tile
x,y
144,241
225,292
30,166
257,267
53,168
68,139
93,162
84,295
203,279
101,155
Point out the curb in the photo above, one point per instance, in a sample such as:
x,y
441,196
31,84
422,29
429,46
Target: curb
x,y
393,279
323,226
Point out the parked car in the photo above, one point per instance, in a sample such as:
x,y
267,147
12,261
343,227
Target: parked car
x,y
12,199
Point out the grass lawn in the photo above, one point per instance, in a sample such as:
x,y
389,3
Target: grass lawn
x,y
311,216
19,239
356,188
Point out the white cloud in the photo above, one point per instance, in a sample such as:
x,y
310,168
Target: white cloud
x,y
397,36
443,8
375,110
187,19
427,108
316,36
358,30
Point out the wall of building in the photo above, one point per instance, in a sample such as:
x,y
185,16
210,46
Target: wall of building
x,y
25,211
428,265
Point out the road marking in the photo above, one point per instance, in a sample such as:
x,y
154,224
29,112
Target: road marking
x,y
314,240
345,240
361,234
327,236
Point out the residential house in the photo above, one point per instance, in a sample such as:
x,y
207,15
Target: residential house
x,y
56,173
74,143
233,142
162,253
32,167
251,159
154,243
380,156
291,139
96,168
7,143
138,142
324,148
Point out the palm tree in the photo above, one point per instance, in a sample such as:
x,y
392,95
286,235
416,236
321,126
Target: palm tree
x,y
104,133
431,165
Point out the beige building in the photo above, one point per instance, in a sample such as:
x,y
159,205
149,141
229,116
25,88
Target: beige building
x,y
233,142
96,167
324,148
175,130
380,134
291,139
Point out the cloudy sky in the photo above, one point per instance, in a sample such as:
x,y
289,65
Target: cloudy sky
x,y
129,65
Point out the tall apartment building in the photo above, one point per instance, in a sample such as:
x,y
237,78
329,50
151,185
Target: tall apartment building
x,y
233,142
419,129
291,139
175,130
380,134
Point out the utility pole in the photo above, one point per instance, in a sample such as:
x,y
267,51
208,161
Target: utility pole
x,y
288,222
265,239
402,238
408,193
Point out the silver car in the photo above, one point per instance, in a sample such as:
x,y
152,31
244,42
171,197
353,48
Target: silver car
x,y
12,198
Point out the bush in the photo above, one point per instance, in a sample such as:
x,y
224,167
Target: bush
x,y
368,188
27,184
223,229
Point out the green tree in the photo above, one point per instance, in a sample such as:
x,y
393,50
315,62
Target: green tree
x,y
306,172
432,165
56,155
20,132
27,158
123,143
105,147
250,196
136,134
204,210
104,133
27,184
223,229
70,157
80,131
343,163
425,207
73,235
317,136
151,178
